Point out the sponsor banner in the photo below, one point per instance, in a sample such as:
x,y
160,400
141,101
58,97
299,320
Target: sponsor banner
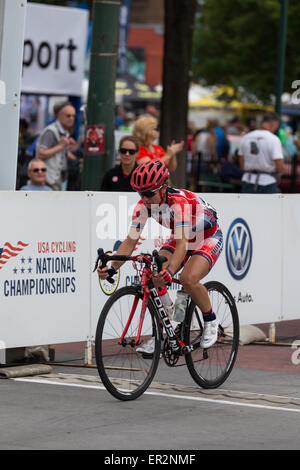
x,y
54,63
44,268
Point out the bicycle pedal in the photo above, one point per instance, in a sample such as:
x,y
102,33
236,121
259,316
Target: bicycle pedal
x,y
147,356
205,354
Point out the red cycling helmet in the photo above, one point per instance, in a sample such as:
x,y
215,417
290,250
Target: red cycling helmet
x,y
149,176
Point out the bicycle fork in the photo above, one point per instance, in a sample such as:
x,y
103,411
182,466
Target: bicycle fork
x,y
175,343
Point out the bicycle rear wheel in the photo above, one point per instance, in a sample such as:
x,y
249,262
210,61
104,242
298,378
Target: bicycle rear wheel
x,y
123,371
211,367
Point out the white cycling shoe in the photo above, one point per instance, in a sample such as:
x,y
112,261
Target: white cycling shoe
x,y
210,334
147,349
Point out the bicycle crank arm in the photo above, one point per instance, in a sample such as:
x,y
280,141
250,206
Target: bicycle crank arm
x,y
190,348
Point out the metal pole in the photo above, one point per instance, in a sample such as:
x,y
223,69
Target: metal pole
x,y
281,54
99,147
12,27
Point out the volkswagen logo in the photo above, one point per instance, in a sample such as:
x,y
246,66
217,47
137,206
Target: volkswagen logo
x,y
238,249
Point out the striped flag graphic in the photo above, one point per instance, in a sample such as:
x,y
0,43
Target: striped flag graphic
x,y
9,251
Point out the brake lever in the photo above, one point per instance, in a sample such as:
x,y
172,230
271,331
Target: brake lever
x,y
111,272
101,257
159,260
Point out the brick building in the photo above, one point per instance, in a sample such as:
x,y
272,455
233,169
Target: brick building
x,y
146,39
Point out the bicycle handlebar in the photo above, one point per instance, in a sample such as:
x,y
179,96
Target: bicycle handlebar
x,y
147,258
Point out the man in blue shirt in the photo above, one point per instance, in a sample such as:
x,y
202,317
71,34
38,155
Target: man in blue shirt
x,y
37,172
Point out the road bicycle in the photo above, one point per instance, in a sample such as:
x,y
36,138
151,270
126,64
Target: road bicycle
x,y
134,314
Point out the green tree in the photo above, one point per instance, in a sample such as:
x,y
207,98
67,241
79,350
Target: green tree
x,y
236,42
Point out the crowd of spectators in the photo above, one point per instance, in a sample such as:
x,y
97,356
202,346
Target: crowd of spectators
x,y
218,159
240,156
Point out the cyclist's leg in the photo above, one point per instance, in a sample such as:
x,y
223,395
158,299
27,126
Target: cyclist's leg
x,y
198,266
203,258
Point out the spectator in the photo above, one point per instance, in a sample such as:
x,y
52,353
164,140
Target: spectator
x,y
75,164
251,124
261,157
189,157
223,145
235,126
146,132
25,140
37,172
119,117
152,111
231,172
205,151
54,143
128,122
118,178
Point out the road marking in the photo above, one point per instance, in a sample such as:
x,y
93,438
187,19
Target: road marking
x,y
183,392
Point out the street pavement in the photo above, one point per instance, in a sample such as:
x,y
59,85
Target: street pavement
x,y
258,407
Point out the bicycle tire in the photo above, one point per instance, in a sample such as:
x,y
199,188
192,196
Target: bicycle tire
x,y
211,367
124,372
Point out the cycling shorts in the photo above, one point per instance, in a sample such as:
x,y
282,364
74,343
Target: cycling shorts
x,y
210,248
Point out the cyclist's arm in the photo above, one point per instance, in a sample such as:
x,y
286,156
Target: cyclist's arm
x,y
127,246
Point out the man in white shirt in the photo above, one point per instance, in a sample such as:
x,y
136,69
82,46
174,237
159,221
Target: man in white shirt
x,y
261,157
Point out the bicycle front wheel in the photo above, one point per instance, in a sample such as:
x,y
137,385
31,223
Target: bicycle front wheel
x,y
211,367
123,371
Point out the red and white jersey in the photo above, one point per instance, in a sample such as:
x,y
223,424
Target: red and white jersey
x,y
182,208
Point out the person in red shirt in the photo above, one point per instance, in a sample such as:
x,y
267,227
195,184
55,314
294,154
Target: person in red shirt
x,y
196,238
146,132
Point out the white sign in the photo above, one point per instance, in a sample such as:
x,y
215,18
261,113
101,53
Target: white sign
x,y
12,21
44,268
54,50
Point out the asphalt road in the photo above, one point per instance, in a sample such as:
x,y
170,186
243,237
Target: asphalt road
x,y
256,408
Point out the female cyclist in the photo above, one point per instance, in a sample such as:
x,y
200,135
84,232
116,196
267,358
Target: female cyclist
x,y
195,244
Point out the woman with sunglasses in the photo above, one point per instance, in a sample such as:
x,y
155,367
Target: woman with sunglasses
x,y
118,178
195,244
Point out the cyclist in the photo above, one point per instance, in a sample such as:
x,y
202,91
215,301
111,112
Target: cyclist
x,y
195,244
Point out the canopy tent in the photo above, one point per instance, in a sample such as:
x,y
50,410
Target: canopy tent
x,y
129,89
227,98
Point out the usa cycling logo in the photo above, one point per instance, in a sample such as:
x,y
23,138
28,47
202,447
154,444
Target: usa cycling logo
x,y
238,249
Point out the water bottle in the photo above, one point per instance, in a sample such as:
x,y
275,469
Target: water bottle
x,y
168,304
180,305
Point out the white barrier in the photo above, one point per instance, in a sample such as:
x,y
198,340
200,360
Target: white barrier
x,y
48,293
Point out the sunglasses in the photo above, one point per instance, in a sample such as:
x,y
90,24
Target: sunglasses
x,y
149,193
123,151
36,170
